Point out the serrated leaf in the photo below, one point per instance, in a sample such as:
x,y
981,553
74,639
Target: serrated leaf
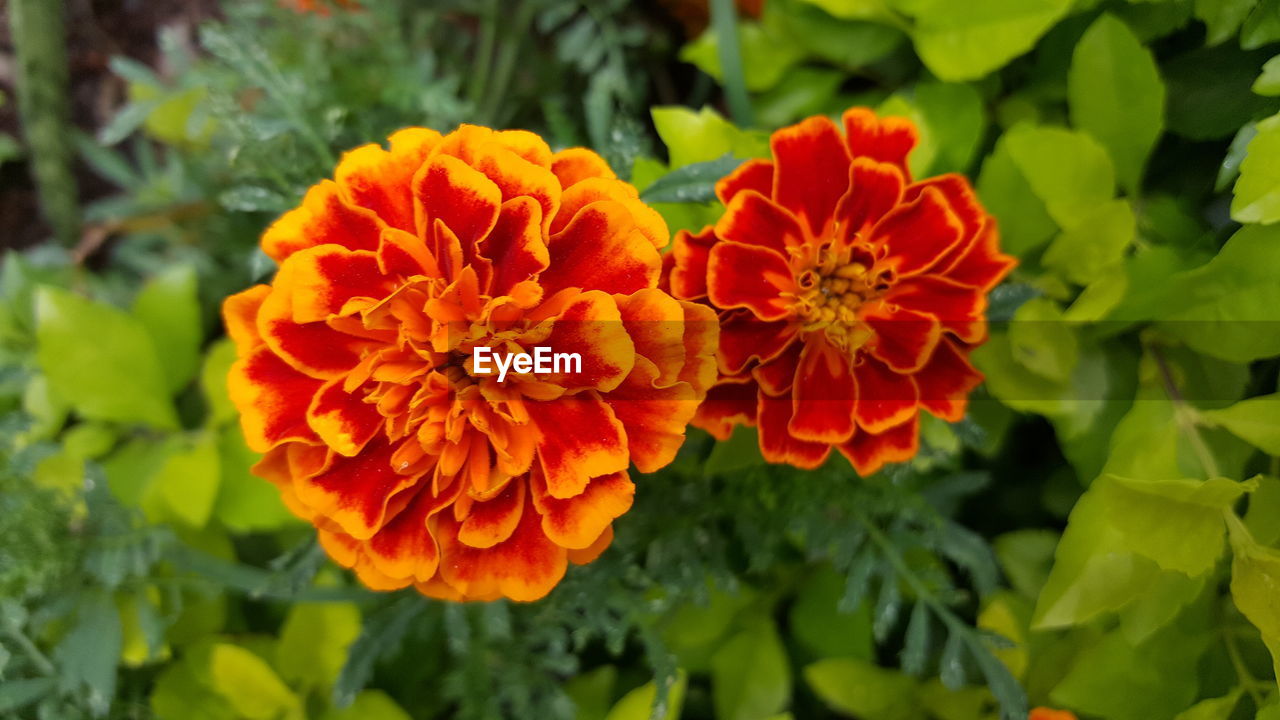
x,y
915,648
1069,171
693,183
1082,253
1255,585
964,41
101,360
88,654
1257,191
1117,96
1219,708
1268,83
1256,421
1222,18
699,136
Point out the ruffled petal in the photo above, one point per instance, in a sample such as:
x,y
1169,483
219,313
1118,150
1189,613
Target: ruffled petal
x,y
823,397
323,218
729,403
868,452
345,421
777,444
591,326
750,276
573,165
356,492
946,381
885,398
889,139
983,265
904,339
591,190
240,316
655,415
602,249
325,277
492,521
516,246
578,522
379,180
811,164
875,188
753,219
744,339
755,174
272,398
778,376
524,567
579,438
689,255
450,191
917,235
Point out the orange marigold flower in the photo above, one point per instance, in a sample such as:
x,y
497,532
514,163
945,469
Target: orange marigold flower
x,y
355,373
320,7
1041,713
848,295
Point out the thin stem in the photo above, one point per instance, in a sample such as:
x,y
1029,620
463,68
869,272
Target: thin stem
x,y
506,65
41,661
481,71
724,23
1185,415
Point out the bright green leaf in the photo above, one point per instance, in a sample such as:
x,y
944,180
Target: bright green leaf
x,y
964,41
185,487
766,54
314,642
1257,192
245,501
1042,341
251,686
1116,95
862,689
1256,420
818,624
1255,585
639,703
213,381
1222,18
750,675
1268,83
1262,26
956,119
370,705
591,692
698,136
1025,223
1219,708
169,309
1263,517
1067,170
101,360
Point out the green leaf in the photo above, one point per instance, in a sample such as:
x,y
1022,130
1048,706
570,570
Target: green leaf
x,y
251,686
1219,708
1255,585
314,642
246,502
213,381
1257,192
1222,18
1262,26
591,692
854,9
371,705
1121,681
766,54
847,43
1116,95
1263,517
698,136
818,624
101,360
169,309
1025,223
693,632
1067,170
1042,341
1209,91
860,688
964,41
695,182
88,654
1268,83
1256,421
956,120
639,703
750,676
186,485
1026,556
1176,523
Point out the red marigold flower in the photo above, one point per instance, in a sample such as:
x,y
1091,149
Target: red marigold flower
x,y
849,296
355,373
319,7
1041,713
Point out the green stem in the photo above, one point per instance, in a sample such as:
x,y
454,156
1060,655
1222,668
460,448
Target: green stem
x,y
42,662
482,69
1185,415
724,23
505,68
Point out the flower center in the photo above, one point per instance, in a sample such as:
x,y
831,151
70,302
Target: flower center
x,y
832,289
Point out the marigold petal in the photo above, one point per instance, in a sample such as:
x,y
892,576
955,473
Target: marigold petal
x,y
578,522
323,218
889,139
323,278
492,521
875,188
527,145
313,348
746,339
272,398
689,255
701,337
378,180
516,245
750,276
573,165
823,397
885,398
655,323
517,177
904,339
811,164
753,219
590,190
345,421
777,444
589,553
404,546
754,174
601,249
356,492
654,414
524,567
591,326
579,438
729,403
448,190
946,381
240,316
404,254
983,265
917,235
868,452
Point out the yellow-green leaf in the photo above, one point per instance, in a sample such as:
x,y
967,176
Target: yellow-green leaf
x,y
314,642
1257,191
251,686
